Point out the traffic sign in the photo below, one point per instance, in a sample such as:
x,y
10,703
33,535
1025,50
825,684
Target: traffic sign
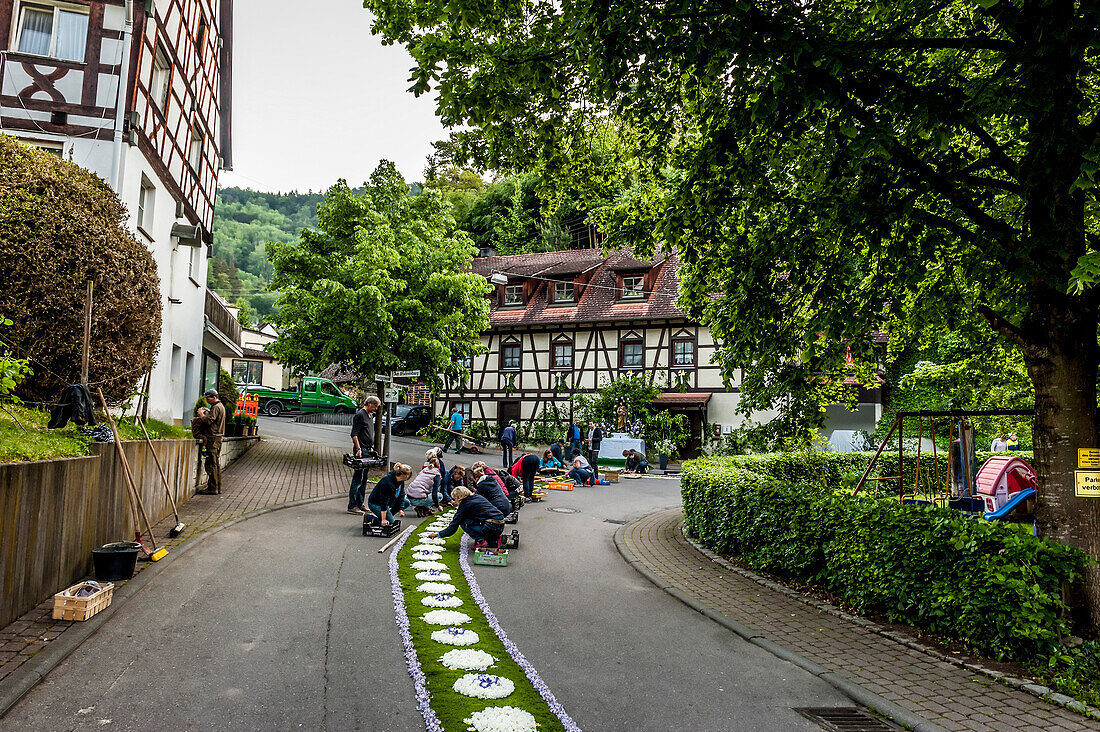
x,y
1088,458
383,378
1087,484
405,374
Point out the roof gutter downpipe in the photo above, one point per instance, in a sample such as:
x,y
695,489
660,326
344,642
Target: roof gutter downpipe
x,y
120,104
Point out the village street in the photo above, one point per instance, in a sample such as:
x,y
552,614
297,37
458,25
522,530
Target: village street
x,y
286,621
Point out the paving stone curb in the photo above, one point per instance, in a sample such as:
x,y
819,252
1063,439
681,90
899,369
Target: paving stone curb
x,y
853,691
27,676
1043,692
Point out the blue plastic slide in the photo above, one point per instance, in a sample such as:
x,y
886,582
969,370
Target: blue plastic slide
x,y
1013,502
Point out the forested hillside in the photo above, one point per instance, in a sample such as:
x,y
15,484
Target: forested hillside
x,y
244,221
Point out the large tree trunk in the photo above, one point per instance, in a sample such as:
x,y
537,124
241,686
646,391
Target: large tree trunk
x,y
1062,361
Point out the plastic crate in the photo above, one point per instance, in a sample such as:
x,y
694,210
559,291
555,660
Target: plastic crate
x,y
491,557
67,607
564,486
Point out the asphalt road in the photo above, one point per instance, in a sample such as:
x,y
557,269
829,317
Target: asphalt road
x,y
286,621
404,449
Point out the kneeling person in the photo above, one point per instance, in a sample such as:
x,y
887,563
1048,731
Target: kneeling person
x,y
388,496
477,517
488,488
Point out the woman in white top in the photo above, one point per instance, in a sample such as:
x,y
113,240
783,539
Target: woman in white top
x,y
582,469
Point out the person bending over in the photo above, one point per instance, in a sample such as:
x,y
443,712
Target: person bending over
x,y
477,517
388,496
423,491
528,469
452,479
635,463
582,470
487,488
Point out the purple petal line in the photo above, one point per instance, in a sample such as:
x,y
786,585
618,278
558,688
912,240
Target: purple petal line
x,y
513,650
423,696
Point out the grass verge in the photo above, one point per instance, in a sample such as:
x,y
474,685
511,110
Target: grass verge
x,y
451,707
24,437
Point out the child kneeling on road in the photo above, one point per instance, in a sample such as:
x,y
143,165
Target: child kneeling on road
x,y
388,496
477,517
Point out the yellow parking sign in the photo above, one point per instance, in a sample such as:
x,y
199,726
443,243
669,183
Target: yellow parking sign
x,y
1088,458
1087,483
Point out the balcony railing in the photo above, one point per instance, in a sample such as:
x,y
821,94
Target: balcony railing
x,y
222,319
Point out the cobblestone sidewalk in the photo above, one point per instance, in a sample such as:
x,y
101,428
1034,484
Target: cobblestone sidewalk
x,y
947,695
274,472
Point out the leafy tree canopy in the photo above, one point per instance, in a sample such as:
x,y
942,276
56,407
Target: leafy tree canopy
x,y
381,283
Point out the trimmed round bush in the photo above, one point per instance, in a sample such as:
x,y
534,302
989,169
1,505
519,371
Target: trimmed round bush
x,y
61,225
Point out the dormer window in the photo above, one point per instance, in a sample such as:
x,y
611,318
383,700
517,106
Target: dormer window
x,y
513,295
633,287
564,292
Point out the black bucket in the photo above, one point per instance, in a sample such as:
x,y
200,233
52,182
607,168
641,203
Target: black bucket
x,y
115,562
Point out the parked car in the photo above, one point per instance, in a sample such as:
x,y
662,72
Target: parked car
x,y
409,419
312,395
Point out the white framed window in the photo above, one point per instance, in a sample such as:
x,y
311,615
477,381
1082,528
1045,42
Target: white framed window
x,y
146,199
194,154
563,355
466,409
633,287
46,29
631,355
192,255
683,352
513,295
563,292
162,78
510,357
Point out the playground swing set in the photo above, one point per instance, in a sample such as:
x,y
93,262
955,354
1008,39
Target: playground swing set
x,y
1003,486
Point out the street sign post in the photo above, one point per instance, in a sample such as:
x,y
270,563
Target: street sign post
x,y
405,374
383,378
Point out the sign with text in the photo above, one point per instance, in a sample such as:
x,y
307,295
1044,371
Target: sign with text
x,y
1088,458
405,374
391,395
1087,483
383,378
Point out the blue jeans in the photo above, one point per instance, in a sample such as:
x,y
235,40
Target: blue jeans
x,y
377,511
481,531
528,484
506,450
358,492
425,502
453,438
580,476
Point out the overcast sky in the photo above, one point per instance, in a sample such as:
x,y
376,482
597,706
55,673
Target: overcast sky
x,y
316,97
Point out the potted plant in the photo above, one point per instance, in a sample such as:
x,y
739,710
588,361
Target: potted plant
x,y
253,428
665,433
233,426
665,449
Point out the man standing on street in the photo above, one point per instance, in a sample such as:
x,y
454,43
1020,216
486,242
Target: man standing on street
x,y
213,419
595,436
508,439
455,425
362,440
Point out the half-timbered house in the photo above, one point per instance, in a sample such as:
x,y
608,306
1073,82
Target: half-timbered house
x,y
138,93
571,321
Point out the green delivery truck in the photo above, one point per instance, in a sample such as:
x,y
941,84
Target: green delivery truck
x,y
313,395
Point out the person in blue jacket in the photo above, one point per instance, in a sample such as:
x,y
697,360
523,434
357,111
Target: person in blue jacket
x,y
508,439
388,496
488,488
477,517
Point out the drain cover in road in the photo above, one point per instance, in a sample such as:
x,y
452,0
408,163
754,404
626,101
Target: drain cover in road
x,y
562,509
845,719
615,521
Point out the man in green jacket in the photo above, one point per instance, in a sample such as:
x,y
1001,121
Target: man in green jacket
x,y
213,419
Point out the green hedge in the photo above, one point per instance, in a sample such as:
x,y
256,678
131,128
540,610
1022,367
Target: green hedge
x,y
992,586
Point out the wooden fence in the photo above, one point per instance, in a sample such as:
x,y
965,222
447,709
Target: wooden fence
x,y
54,512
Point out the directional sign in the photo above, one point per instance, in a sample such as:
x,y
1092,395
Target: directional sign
x,y
405,374
391,395
1088,458
1087,483
383,378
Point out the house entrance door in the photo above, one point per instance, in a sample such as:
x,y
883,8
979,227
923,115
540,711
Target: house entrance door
x,y
508,411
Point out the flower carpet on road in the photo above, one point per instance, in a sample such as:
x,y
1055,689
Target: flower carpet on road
x,y
468,675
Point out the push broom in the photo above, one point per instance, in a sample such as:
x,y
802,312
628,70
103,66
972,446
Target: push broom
x,y
178,528
135,498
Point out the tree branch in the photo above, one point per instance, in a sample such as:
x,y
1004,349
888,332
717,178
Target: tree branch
x,y
978,43
1010,331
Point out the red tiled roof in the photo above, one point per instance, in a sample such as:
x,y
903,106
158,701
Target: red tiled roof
x,y
676,399
598,299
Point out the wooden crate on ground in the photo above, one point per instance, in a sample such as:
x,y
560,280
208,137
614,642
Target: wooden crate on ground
x,y
67,607
612,475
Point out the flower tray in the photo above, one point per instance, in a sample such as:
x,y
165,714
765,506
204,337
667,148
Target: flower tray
x,y
491,557
66,607
560,486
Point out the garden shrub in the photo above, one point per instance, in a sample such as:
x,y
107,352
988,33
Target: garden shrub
x,y
992,586
61,225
